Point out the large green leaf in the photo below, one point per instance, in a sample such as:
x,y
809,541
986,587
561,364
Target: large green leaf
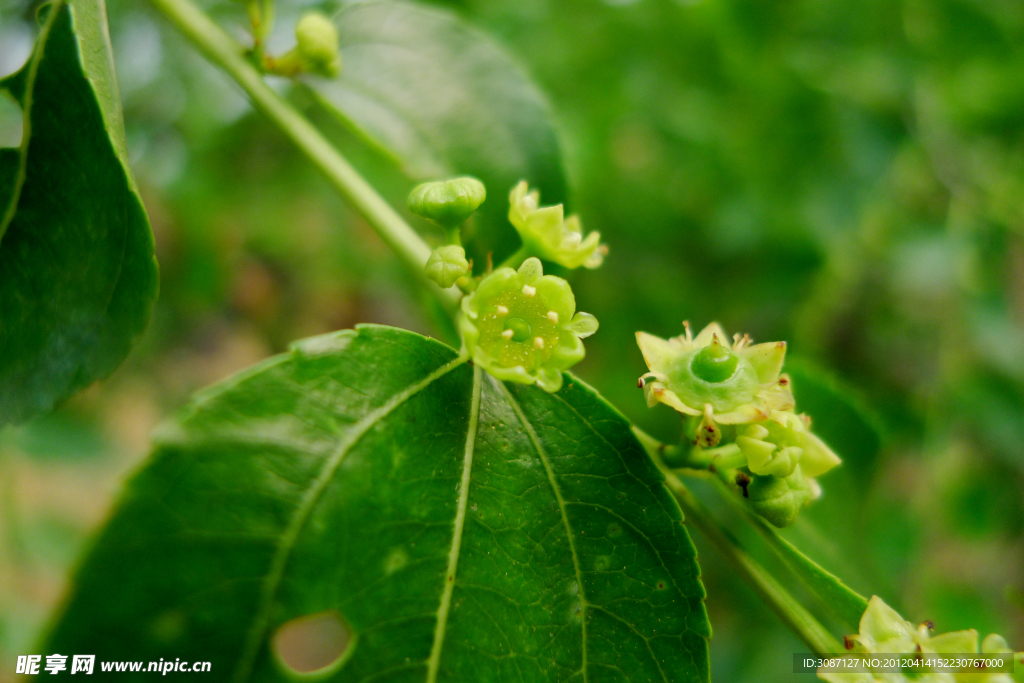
x,y
463,529
443,99
77,273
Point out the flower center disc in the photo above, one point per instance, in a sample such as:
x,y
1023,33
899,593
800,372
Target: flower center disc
x,y
515,330
520,329
714,363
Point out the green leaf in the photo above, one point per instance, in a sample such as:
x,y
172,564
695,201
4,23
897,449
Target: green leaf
x,y
459,529
444,100
77,273
842,600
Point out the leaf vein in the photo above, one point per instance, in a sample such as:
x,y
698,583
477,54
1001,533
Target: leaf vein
x,y
535,440
460,520
312,495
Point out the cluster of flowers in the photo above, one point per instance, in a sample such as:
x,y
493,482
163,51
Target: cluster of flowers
x,y
522,326
517,323
883,630
744,409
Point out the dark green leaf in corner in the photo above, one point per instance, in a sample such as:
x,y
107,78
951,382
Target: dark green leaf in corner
x,y
443,99
432,523
77,272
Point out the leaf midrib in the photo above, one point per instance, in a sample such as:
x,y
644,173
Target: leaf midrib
x,y
434,660
258,626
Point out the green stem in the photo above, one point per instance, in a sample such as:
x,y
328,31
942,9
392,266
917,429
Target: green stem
x,y
727,457
454,235
785,606
226,53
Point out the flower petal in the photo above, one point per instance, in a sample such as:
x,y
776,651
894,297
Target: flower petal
x,y
549,379
657,352
767,359
568,352
495,283
881,622
955,641
704,338
670,399
531,270
582,325
817,458
556,294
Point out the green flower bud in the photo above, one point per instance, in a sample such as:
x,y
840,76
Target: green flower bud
x,y
705,375
317,38
779,499
883,630
446,265
548,234
522,326
447,202
784,440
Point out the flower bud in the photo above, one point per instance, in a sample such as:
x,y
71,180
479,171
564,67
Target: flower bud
x,y
522,326
779,499
776,445
446,265
447,202
317,38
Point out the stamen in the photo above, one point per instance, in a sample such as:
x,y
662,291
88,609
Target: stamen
x,y
528,290
502,310
507,334
553,316
538,343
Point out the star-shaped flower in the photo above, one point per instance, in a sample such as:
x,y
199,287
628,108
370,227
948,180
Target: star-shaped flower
x,y
725,382
522,326
548,234
883,630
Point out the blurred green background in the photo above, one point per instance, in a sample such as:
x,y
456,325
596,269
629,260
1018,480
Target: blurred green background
x,y
847,175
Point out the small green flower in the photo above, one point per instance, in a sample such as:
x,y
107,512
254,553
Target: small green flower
x,y
522,326
883,630
783,441
548,234
447,202
317,38
446,265
706,375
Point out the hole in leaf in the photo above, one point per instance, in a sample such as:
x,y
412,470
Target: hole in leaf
x,y
11,121
313,646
